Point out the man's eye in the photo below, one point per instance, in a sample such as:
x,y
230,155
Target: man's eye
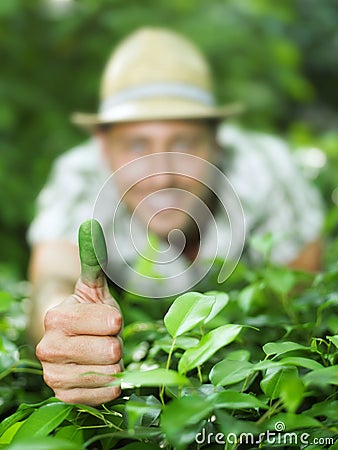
x,y
182,145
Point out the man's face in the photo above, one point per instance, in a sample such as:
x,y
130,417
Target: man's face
x,y
162,169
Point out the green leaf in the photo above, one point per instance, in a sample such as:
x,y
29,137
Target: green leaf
x,y
264,243
9,355
182,342
322,377
289,361
230,424
332,324
44,443
209,344
278,348
154,377
279,279
70,433
144,433
182,418
310,364
221,300
327,408
139,446
292,392
22,413
292,421
187,311
238,400
9,434
238,355
267,364
274,379
43,421
251,296
142,410
229,372
333,339
5,301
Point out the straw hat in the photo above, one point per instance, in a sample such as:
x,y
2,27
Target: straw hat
x,y
155,74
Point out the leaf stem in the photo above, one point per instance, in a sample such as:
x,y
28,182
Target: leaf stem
x,y
200,374
167,366
270,412
170,353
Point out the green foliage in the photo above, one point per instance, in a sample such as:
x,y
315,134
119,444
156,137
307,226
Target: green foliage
x,y
20,373
43,421
215,366
188,311
209,344
51,59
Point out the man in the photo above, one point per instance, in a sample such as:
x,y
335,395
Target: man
x,y
156,131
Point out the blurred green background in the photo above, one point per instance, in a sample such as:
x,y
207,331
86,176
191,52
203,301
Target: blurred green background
x,y
279,58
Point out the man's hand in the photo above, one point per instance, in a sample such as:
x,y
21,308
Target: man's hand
x,y
81,334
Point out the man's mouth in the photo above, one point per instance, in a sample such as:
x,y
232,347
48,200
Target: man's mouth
x,y
163,200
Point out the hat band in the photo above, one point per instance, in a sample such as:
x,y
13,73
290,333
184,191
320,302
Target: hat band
x,y
153,90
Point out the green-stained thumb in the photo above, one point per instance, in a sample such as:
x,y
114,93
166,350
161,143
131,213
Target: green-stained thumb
x,y
93,251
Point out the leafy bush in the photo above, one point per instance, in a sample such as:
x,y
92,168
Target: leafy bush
x,y
256,361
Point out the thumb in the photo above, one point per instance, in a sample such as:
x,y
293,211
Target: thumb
x,y
93,251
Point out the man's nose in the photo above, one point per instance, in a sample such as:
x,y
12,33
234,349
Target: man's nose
x,y
162,170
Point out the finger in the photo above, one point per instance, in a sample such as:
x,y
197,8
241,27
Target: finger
x,y
87,350
70,376
93,251
91,397
74,318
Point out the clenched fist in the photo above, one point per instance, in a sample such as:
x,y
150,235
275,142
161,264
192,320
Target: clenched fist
x,y
82,332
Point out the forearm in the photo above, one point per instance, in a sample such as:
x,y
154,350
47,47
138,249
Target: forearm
x,y
45,295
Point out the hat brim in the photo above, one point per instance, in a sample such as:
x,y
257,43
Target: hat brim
x,y
167,109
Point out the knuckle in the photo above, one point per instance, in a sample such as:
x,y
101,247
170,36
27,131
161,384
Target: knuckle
x,y
117,349
42,351
115,320
96,397
115,392
61,317
110,369
116,369
49,349
65,395
51,379
39,351
109,393
111,350
52,319
119,321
